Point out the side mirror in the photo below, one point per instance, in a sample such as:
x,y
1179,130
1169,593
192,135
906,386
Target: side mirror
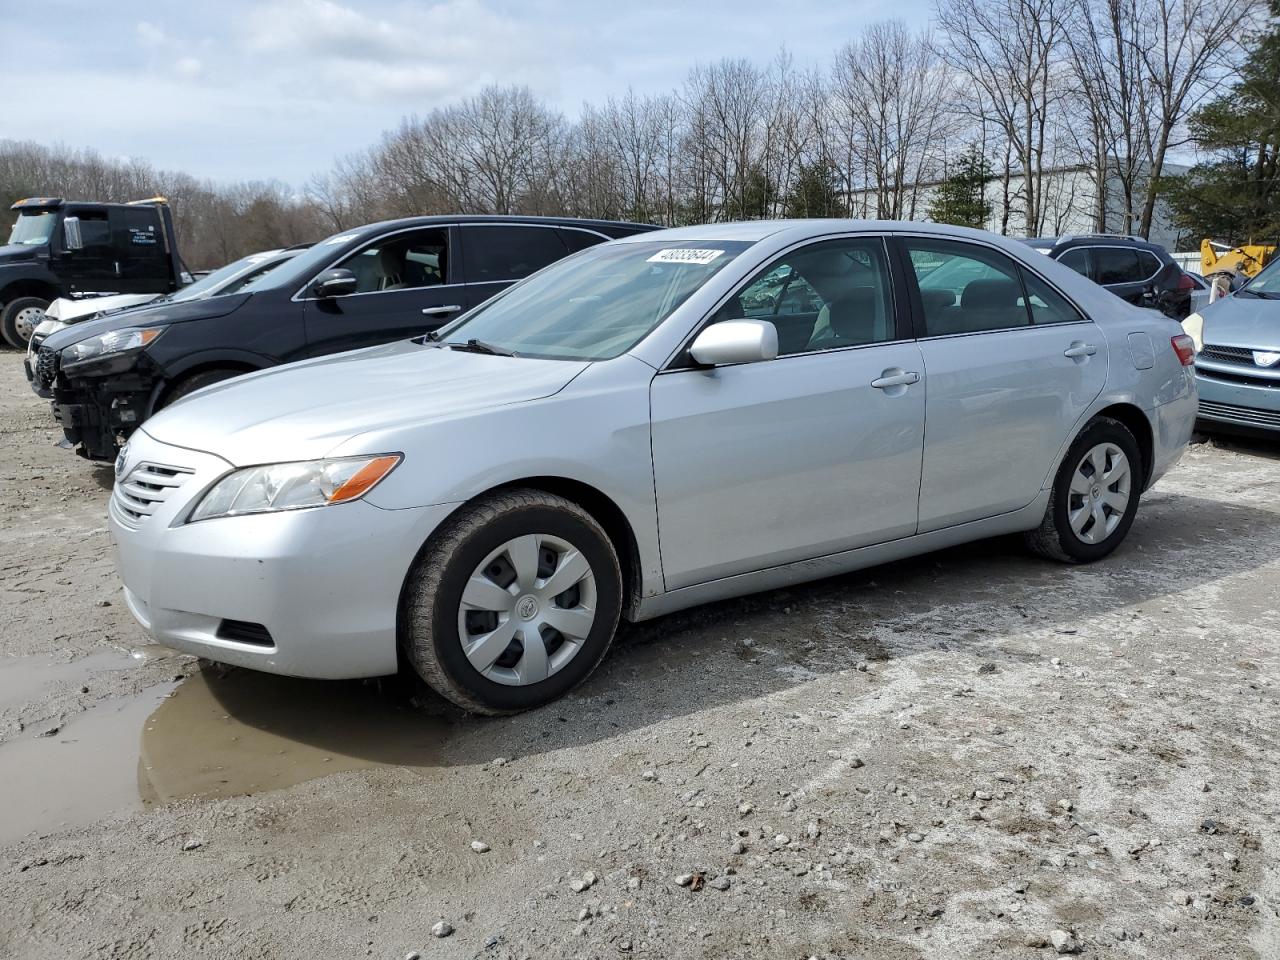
x,y
735,341
71,233
338,282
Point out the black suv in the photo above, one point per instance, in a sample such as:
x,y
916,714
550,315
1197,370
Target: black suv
x,y
1132,268
366,286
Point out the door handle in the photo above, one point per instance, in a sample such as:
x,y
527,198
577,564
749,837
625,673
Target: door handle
x,y
436,311
896,380
1080,349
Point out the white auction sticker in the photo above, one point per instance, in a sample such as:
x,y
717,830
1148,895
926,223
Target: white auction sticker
x,y
685,255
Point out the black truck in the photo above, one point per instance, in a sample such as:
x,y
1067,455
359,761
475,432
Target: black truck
x,y
365,286
61,248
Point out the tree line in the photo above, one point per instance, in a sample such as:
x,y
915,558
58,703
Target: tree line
x,y
1017,88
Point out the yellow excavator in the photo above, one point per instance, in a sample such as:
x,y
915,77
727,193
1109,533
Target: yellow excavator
x,y
1236,263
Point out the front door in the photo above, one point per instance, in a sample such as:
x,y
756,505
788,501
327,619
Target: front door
x,y
92,267
405,287
1011,366
813,453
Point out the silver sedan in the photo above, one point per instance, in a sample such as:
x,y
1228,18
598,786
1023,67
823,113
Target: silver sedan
x,y
654,423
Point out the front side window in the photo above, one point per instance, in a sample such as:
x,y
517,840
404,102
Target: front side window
x,y
504,253
401,261
965,288
1117,265
598,305
831,294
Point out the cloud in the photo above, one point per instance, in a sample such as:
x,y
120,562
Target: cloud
x,y
446,49
189,68
149,35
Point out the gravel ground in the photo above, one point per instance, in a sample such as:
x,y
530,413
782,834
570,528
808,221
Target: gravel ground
x,y
968,754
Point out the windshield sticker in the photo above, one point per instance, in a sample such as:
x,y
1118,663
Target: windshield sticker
x,y
685,255
342,238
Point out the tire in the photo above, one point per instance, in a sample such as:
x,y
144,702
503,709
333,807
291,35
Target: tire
x,y
15,320
193,383
482,542
1057,538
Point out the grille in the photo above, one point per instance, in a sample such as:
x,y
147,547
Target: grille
x,y
1272,383
147,486
46,366
1212,351
1229,411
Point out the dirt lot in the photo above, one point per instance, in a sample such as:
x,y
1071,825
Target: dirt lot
x,y
957,756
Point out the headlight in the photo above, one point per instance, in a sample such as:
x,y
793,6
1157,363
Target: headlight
x,y
1194,327
293,486
117,341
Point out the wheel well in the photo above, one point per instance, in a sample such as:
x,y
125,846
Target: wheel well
x,y
1138,424
195,371
28,288
607,513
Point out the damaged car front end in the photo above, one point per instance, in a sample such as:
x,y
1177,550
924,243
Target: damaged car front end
x,y
100,388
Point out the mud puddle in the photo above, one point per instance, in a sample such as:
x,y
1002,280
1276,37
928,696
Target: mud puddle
x,y
22,678
216,734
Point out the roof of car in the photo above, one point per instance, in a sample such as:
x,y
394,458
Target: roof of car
x,y
499,218
1082,239
755,230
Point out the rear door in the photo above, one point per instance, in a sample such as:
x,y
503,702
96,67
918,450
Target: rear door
x,y
406,285
1011,366
496,255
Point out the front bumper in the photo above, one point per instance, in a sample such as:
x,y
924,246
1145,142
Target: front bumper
x,y
324,583
1246,405
96,410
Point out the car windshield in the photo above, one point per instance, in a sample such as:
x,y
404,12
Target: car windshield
x,y
246,268
598,304
1267,282
33,229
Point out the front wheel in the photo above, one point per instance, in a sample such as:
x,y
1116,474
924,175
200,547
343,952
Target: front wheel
x,y
513,602
1095,495
19,319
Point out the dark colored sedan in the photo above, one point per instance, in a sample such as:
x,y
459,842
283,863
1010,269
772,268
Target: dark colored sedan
x,y
366,286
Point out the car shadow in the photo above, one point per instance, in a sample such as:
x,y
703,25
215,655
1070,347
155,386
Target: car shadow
x,y
969,599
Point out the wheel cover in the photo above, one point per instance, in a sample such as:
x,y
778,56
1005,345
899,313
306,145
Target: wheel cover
x,y
527,609
1101,487
26,320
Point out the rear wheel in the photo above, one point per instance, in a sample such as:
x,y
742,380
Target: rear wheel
x,y
1095,495
514,602
19,319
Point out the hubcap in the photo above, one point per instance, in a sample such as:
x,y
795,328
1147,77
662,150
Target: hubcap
x,y
26,321
1099,495
527,609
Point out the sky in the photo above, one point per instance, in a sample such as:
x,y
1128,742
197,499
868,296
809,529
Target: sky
x,y
278,89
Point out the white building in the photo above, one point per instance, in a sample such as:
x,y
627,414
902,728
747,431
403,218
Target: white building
x,y
1069,205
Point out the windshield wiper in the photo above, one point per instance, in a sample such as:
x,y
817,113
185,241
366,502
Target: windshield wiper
x,y
479,346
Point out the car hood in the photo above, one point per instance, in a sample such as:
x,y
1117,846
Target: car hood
x,y
74,311
1238,321
159,314
17,253
303,411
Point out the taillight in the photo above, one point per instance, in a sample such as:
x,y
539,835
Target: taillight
x,y
1186,283
1185,348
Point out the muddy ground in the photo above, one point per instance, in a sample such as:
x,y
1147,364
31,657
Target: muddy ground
x,y
955,756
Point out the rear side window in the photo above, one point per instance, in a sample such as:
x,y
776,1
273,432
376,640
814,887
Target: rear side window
x,y
1045,303
965,288
1077,258
577,240
1118,265
1149,264
494,254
